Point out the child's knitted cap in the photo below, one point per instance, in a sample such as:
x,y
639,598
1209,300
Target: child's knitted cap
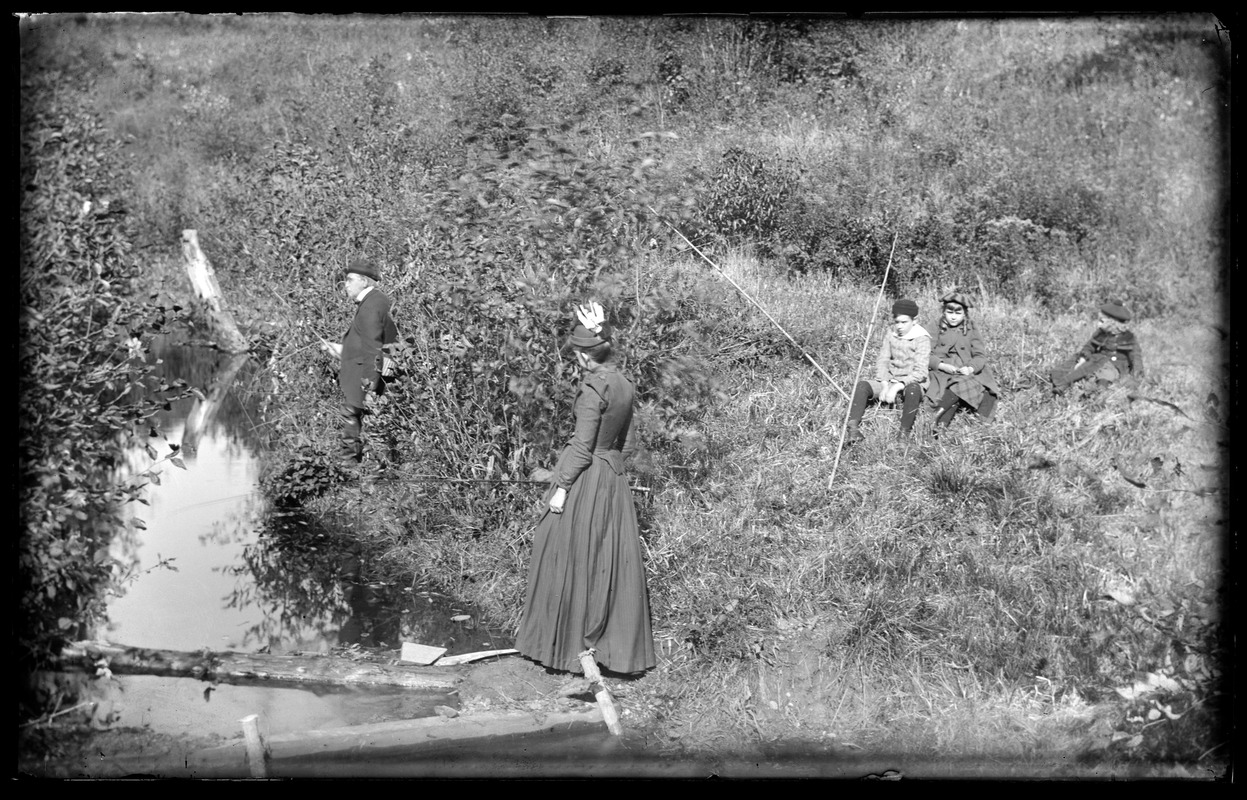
x,y
905,306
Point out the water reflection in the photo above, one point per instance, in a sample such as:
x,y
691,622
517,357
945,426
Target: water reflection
x,y
192,578
220,567
188,586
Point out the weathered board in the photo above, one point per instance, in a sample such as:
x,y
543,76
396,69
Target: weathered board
x,y
254,668
424,734
426,740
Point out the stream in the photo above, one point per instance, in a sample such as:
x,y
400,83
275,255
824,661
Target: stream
x,y
213,565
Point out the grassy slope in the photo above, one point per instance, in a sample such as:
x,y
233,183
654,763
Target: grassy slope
x,y
949,597
946,598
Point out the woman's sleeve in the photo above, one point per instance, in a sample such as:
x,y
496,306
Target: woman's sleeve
x,y
631,440
578,454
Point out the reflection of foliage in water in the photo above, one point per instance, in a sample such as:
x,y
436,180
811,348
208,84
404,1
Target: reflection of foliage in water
x,y
201,367
312,578
237,526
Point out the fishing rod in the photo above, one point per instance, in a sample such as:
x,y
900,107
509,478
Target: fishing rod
x,y
719,269
865,344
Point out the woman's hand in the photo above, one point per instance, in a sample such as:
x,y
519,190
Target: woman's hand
x,y
558,499
949,368
966,370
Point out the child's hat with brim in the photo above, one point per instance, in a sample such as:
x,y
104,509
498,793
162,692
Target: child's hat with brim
x,y
955,295
1116,310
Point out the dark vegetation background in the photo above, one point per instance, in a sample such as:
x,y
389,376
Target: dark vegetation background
x,y
502,169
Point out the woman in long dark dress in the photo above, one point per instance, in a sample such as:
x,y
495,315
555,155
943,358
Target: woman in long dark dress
x,y
586,582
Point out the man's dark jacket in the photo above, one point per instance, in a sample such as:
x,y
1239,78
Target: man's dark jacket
x,y
371,329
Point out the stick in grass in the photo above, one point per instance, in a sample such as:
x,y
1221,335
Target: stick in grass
x,y
605,703
858,375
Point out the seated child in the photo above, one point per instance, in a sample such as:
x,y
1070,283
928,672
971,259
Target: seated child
x,y
1112,352
900,370
960,374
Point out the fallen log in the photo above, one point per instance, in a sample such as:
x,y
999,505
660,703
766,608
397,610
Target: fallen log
x,y
252,668
203,279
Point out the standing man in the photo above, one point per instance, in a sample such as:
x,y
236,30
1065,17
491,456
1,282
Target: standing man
x,y
362,358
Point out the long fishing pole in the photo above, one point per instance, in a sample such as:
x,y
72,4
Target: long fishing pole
x,y
808,357
865,344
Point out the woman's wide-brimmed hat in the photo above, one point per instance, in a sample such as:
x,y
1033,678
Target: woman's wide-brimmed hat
x,y
957,296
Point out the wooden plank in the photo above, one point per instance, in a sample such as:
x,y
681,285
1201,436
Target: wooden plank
x,y
427,737
420,653
414,736
254,668
464,658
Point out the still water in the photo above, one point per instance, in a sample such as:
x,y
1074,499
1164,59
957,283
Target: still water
x,y
217,567
186,568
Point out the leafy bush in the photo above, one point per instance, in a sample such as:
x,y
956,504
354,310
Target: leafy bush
x,y
748,198
85,389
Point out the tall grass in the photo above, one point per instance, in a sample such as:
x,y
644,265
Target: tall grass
x,y
966,571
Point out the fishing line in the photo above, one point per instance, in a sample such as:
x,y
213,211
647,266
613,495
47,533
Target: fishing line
x,y
746,295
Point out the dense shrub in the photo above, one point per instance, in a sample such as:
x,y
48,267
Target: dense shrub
x,y
747,198
85,390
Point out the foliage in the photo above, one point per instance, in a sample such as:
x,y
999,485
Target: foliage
x,y
306,475
86,391
746,199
